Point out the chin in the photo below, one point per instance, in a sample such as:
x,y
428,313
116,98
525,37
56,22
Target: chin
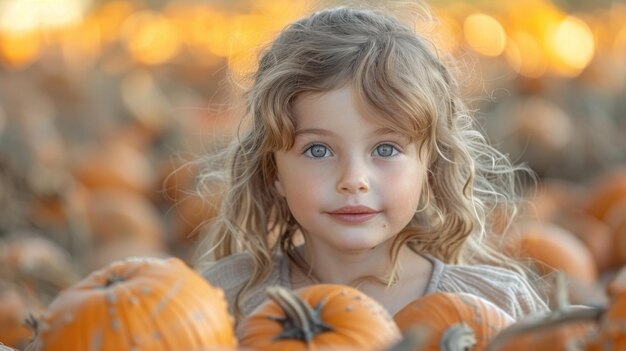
x,y
357,245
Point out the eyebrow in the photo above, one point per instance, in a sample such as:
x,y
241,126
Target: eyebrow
x,y
386,131
314,131
324,132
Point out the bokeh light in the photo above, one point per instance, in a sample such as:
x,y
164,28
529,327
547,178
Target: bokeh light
x,y
572,46
484,34
150,37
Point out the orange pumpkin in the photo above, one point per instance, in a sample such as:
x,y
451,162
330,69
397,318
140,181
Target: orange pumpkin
x,y
189,215
13,312
596,235
118,216
564,328
322,316
617,283
552,248
453,320
37,265
115,166
616,220
557,331
176,180
553,198
611,335
607,189
138,304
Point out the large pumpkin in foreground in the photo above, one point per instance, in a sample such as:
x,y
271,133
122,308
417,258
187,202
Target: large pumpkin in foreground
x,y
453,321
138,304
318,317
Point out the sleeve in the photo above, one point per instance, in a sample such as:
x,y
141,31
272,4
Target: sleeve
x,y
507,289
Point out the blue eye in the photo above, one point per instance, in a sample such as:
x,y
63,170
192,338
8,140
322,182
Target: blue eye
x,y
385,150
317,151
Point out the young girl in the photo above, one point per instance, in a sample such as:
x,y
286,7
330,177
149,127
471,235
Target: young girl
x,y
360,166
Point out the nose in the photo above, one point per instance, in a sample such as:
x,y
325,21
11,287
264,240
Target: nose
x,y
354,178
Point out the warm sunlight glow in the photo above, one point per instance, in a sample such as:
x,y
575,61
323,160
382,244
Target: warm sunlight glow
x,y
19,49
81,45
203,29
150,38
250,31
110,17
26,15
619,47
484,34
524,55
572,46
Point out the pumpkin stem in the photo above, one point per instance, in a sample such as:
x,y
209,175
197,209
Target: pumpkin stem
x,y
561,296
301,322
112,279
459,337
33,324
542,322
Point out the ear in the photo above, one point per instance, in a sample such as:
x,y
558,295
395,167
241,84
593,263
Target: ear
x,y
279,187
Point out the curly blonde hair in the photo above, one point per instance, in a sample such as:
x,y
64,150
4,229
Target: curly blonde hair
x,y
395,73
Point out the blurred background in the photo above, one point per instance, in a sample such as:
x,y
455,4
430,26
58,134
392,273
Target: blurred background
x,y
104,104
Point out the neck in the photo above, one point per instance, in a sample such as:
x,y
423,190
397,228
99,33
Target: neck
x,y
331,267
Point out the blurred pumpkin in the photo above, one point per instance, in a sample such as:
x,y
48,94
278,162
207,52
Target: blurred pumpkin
x,y
544,130
121,249
607,189
189,205
553,198
13,313
595,234
317,317
114,166
57,209
562,331
616,220
564,328
616,283
453,321
553,248
119,216
37,264
138,304
611,335
176,180
189,215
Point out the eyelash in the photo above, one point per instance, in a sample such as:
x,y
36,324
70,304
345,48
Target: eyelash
x,y
308,153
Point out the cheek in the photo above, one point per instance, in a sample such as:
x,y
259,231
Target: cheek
x,y
301,189
403,190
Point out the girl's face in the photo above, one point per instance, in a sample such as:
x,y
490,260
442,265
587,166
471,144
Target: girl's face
x,y
351,183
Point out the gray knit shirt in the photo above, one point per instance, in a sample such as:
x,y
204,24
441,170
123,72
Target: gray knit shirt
x,y
507,289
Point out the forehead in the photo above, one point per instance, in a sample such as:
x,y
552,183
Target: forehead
x,y
337,107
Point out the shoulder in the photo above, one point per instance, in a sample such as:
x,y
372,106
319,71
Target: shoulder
x,y
233,270
232,273
507,289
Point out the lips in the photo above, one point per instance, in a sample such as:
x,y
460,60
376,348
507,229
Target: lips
x,y
353,214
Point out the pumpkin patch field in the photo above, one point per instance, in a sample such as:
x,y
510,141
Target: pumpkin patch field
x,y
152,300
